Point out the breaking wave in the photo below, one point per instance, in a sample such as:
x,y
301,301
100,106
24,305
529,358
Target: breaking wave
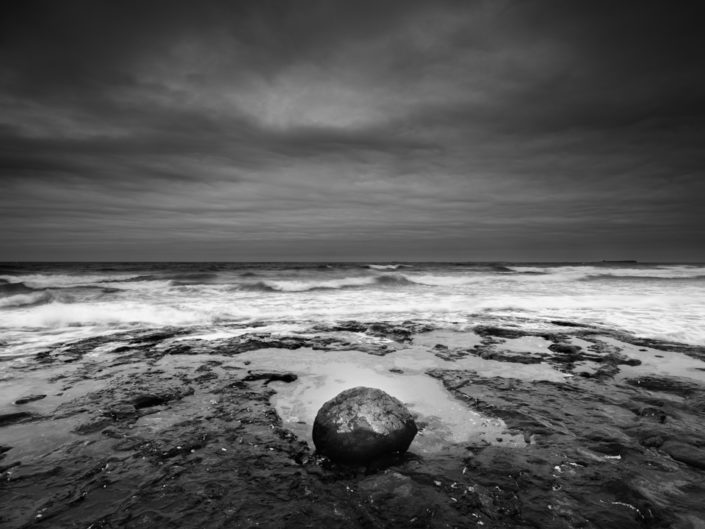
x,y
385,266
190,278
26,300
60,314
20,295
332,284
13,289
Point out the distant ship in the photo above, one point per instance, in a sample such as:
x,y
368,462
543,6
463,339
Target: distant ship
x,y
626,261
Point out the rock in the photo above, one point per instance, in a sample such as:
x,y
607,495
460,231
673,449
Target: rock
x,y
505,356
147,400
362,424
652,412
685,453
121,411
500,332
29,398
566,349
567,323
12,418
269,376
653,441
675,385
630,361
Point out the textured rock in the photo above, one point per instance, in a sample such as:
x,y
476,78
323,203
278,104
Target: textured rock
x,y
685,453
270,376
12,418
29,398
362,424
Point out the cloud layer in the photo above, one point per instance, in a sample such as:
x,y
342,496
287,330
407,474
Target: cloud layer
x,y
351,130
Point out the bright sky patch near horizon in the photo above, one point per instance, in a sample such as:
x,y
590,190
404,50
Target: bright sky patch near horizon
x,y
331,130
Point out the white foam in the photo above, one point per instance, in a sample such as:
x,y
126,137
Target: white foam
x,y
77,314
20,300
302,286
573,273
446,280
669,310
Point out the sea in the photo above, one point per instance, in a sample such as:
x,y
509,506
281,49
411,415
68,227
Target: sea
x,y
42,304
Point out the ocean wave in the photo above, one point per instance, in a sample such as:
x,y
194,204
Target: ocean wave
x,y
196,278
493,268
25,296
57,314
192,276
590,272
43,281
131,279
27,300
259,286
331,284
620,277
444,280
386,266
13,289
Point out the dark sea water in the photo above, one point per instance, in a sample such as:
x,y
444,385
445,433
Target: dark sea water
x,y
44,303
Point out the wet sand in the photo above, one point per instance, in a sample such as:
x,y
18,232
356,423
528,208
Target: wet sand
x,y
561,426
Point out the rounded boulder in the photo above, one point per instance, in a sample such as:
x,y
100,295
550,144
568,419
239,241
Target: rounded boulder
x,y
362,424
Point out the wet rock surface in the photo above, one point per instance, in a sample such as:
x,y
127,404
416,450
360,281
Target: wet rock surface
x,y
13,418
29,398
270,376
361,425
163,428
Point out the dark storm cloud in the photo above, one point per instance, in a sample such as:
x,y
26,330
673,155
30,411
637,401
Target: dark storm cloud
x,y
297,130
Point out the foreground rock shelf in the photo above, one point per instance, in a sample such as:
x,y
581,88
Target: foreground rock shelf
x,y
163,428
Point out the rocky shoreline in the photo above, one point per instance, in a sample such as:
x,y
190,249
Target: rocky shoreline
x,y
172,428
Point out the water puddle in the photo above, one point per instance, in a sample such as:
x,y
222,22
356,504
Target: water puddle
x,y
526,344
444,421
450,338
658,362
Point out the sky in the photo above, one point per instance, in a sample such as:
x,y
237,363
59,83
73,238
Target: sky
x,y
352,130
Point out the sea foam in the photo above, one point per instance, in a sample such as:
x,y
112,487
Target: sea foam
x,y
661,301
